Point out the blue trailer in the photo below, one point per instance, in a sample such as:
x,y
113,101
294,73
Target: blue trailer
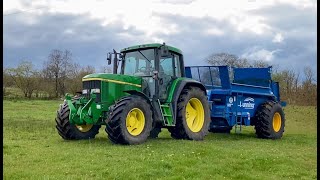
x,y
241,97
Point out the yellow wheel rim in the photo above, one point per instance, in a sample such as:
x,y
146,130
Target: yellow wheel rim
x,y
135,121
84,128
195,115
276,123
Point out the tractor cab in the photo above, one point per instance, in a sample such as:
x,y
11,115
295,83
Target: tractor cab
x,y
157,64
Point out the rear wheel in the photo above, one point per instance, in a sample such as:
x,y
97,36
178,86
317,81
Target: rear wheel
x,y
130,121
70,131
270,121
193,116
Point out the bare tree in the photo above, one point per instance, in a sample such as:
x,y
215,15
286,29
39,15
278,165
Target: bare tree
x,y
105,69
260,64
220,59
43,86
57,67
7,81
286,79
309,88
87,70
308,74
24,77
296,83
78,73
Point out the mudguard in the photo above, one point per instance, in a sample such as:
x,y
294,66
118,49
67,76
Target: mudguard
x,y
176,90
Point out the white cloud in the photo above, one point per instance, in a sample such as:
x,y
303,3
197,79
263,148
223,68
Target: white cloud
x,y
68,31
256,53
278,38
139,13
9,6
214,31
301,3
175,1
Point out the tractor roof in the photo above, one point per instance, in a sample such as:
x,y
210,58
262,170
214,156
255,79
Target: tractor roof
x,y
154,45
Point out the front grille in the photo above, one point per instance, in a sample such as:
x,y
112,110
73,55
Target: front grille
x,y
92,85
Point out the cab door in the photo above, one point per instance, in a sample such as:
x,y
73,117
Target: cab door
x,y
169,70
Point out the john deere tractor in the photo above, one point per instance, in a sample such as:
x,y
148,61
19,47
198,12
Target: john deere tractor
x,y
147,91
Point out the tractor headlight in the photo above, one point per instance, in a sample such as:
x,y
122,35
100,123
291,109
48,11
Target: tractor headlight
x,y
85,91
95,90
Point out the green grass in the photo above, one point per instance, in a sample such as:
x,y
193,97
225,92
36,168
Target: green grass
x,y
33,149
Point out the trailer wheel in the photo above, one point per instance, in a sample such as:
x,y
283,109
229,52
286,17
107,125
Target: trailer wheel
x,y
130,121
193,116
72,131
270,121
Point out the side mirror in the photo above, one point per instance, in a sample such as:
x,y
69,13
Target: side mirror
x,y
164,51
109,58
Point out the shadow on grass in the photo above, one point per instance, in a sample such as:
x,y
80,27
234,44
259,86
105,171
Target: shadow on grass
x,y
211,137
98,140
166,138
243,135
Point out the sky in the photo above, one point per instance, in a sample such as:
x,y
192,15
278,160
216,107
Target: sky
x,y
280,32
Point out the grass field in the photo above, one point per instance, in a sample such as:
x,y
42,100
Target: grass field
x,y
33,149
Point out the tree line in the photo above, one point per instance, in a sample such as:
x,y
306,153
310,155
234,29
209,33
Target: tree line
x,y
59,74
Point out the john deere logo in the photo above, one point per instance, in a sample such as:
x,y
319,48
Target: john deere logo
x,y
248,103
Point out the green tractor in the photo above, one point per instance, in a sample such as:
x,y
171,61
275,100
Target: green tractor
x,y
147,91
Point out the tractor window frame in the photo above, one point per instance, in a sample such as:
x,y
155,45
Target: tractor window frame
x,y
177,65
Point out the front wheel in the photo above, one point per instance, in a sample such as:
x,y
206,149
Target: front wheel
x,y
193,116
130,121
70,131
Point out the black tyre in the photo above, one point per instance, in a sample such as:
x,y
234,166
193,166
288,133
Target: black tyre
x,y
155,132
270,121
130,121
70,131
193,115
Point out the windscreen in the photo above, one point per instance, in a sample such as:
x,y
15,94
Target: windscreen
x,y
139,63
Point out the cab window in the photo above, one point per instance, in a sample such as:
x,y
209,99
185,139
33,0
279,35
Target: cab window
x,y
140,62
166,66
